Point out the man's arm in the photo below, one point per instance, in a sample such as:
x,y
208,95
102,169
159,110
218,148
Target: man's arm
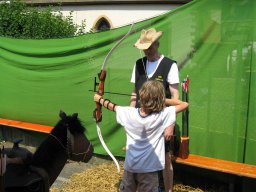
x,y
168,132
174,93
174,89
173,79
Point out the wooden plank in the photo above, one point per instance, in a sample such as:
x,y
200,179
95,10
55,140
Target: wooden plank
x,y
26,125
235,168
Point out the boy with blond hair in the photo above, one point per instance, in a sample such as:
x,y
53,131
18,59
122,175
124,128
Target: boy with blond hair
x,y
145,130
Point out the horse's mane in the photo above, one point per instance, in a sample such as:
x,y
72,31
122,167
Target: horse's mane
x,y
72,122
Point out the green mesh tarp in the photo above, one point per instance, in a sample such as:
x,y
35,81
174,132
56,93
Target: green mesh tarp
x,y
213,41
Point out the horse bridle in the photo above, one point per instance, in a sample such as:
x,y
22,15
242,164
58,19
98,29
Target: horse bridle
x,y
70,145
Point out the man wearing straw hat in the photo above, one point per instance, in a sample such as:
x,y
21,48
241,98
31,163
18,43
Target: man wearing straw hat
x,y
158,67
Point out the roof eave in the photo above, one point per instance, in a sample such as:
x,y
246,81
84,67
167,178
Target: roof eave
x,y
102,2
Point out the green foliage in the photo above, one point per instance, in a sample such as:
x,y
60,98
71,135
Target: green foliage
x,y
21,21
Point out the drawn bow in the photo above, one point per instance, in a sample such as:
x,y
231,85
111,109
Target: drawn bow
x,y
98,110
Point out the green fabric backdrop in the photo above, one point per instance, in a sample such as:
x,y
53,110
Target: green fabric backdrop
x,y
213,41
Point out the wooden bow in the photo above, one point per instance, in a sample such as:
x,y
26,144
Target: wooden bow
x,y
98,110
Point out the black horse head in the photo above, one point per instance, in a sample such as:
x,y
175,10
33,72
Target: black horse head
x,y
78,146
67,140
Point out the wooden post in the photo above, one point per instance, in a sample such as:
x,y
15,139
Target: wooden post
x,y
184,147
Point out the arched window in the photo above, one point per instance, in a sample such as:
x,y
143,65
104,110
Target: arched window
x,y
102,24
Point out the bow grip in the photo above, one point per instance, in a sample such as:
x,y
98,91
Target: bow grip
x,y
97,111
102,76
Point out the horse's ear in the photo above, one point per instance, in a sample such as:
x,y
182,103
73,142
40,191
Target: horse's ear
x,y
62,114
75,115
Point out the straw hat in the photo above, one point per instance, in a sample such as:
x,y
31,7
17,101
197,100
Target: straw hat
x,y
147,37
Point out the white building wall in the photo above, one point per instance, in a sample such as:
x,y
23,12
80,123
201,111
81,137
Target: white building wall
x,y
118,15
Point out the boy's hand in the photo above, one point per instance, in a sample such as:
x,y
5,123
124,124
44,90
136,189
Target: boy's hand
x,y
96,97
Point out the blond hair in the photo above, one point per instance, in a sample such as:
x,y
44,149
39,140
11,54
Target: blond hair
x,y
152,96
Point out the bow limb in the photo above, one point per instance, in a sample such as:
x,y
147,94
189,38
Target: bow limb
x,y
98,112
115,46
106,148
102,76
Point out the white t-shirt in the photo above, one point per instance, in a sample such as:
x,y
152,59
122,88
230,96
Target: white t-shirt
x,y
173,75
145,149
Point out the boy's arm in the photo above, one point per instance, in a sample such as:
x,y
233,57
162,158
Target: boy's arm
x,y
174,90
105,102
133,99
179,105
172,102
